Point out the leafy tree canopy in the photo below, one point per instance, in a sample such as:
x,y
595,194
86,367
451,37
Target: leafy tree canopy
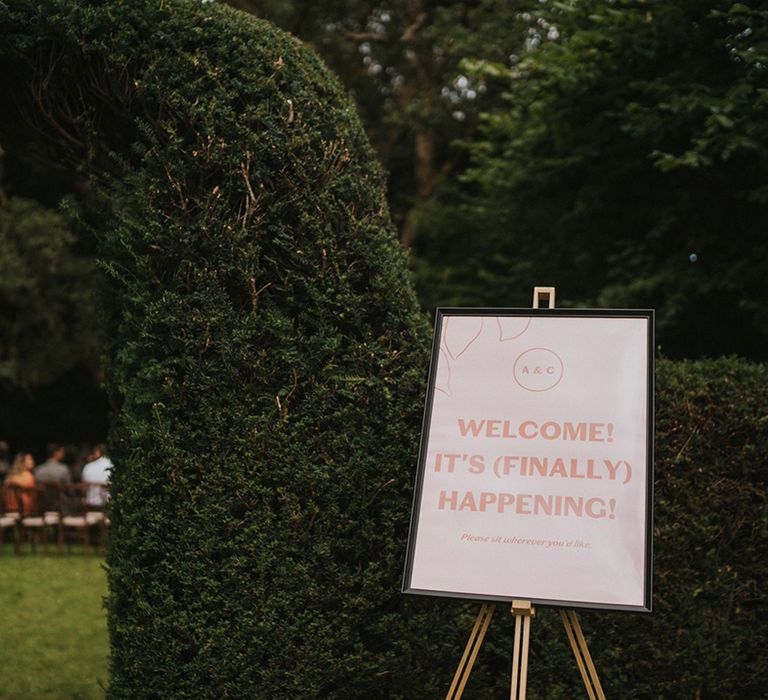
x,y
401,60
628,167
49,320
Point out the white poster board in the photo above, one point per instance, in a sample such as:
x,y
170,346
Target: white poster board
x,y
534,478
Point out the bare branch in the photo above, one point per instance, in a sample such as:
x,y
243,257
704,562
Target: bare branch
x,y
409,35
364,36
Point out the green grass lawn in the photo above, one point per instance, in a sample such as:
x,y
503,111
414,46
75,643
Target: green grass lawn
x,y
53,632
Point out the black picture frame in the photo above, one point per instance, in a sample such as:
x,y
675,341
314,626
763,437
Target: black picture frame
x,y
442,314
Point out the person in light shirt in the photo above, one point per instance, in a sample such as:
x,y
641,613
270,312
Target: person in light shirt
x,y
96,472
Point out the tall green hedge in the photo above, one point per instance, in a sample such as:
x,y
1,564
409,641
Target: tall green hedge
x,y
267,365
266,355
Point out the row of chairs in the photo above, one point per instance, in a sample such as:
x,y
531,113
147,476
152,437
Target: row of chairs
x,y
60,513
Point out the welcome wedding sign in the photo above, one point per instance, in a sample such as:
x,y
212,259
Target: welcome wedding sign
x,y
534,476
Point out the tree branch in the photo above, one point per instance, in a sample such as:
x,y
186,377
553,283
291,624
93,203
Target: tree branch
x,y
409,35
364,36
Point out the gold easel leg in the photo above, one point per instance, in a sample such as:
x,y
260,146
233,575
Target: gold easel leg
x,y
516,658
474,643
581,653
587,656
524,658
523,612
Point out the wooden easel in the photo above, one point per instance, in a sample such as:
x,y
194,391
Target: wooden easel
x,y
523,611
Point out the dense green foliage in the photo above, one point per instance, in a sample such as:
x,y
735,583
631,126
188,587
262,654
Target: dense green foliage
x,y
266,352
48,311
614,149
401,60
51,329
267,364
627,167
617,150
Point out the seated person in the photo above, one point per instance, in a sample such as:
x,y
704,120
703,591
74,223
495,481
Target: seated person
x,y
96,472
52,471
21,475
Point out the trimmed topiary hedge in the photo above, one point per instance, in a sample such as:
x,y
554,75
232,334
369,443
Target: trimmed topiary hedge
x,y
266,357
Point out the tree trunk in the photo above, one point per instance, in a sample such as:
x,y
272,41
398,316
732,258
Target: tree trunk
x,y
422,58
